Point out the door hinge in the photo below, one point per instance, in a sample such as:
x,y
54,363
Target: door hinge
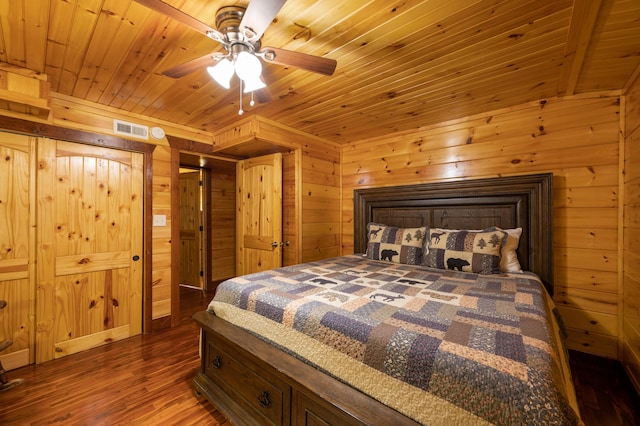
x,y
201,228
202,273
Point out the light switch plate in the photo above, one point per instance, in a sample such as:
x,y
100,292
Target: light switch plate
x,y
159,220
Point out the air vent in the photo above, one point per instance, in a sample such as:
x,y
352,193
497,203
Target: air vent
x,y
130,129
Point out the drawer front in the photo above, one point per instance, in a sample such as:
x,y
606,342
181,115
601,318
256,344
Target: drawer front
x,y
257,389
313,411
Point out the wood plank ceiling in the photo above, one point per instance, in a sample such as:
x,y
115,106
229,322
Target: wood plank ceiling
x,y
401,64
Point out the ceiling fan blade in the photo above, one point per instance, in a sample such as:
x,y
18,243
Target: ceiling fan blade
x,y
191,66
178,15
303,61
259,15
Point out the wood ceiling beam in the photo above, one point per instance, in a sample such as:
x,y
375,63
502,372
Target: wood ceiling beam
x,y
583,21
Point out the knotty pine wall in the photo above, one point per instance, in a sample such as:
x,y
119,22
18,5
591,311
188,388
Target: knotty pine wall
x,y
578,139
223,222
161,235
320,214
631,247
290,204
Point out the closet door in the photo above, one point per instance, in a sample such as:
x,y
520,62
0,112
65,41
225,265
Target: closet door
x,y
89,247
16,248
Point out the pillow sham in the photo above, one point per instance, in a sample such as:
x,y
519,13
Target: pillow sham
x,y
509,260
465,251
508,255
392,244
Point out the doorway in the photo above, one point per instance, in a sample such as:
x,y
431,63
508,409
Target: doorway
x,y
217,204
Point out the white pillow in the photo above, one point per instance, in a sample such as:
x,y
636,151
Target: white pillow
x,y
509,260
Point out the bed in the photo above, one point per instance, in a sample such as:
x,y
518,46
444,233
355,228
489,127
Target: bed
x,y
408,333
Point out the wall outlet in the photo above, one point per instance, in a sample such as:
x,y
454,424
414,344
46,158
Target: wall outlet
x,y
159,220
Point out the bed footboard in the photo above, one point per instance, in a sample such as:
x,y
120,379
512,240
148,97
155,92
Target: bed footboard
x,y
253,383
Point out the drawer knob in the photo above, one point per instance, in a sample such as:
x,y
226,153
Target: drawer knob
x,y
264,400
216,362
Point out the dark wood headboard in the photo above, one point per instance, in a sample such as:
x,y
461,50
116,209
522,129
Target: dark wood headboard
x,y
508,202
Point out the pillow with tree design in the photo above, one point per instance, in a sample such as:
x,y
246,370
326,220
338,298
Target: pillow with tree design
x,y
465,251
399,245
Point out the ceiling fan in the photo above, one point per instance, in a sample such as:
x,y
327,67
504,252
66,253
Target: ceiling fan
x,y
239,31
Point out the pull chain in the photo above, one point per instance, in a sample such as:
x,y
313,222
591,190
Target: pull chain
x,y
240,111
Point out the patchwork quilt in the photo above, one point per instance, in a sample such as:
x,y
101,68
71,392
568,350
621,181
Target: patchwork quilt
x,y
440,346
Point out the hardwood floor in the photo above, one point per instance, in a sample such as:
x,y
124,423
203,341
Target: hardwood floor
x,y
605,393
146,380
143,380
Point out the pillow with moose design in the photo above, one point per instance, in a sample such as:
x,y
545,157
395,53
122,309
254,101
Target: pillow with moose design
x,y
465,251
392,244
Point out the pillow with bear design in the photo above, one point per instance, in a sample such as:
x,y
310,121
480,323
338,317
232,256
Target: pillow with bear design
x,y
508,255
392,244
465,251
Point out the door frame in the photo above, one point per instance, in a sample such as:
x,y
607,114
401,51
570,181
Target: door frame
x,y
206,161
35,129
204,218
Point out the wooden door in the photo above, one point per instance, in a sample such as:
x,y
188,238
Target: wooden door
x,y
259,214
17,281
190,230
89,247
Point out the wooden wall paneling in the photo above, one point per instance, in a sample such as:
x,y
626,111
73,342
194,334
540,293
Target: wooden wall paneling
x,y
291,191
620,229
162,237
174,218
207,220
551,135
69,112
631,235
320,215
587,279
223,221
17,247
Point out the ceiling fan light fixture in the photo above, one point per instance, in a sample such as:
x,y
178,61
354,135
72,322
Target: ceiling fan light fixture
x,y
222,72
247,66
253,83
